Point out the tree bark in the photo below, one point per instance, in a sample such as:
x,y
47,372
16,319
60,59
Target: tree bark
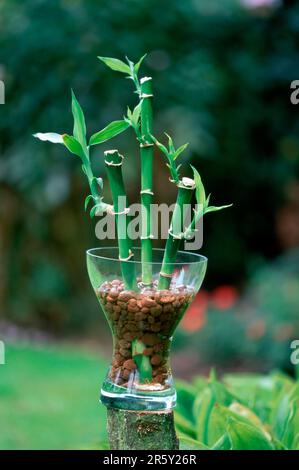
x,y
141,430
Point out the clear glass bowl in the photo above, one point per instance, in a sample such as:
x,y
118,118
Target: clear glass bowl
x,y
142,324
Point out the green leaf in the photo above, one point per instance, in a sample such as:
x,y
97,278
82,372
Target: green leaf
x,y
223,443
137,65
179,151
216,208
170,144
184,425
49,137
116,64
112,130
202,410
73,145
199,188
160,146
87,199
246,437
187,443
94,210
79,131
136,114
286,424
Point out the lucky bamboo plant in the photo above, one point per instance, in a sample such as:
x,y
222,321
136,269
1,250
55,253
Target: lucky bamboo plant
x,y
143,304
140,119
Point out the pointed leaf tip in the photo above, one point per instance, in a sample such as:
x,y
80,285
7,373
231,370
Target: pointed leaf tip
x,y
116,64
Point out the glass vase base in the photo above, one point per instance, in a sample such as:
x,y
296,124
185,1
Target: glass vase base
x,y
134,402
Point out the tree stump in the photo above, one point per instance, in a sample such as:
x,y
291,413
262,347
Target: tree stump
x,y
141,430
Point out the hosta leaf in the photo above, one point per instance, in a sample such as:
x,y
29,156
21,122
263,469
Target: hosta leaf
x,y
202,410
287,420
184,425
116,64
246,437
79,121
186,394
49,137
138,64
73,145
112,130
223,443
179,151
187,443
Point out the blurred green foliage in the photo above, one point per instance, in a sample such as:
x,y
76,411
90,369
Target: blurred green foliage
x,y
49,398
244,412
221,81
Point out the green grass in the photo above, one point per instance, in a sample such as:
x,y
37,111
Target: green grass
x,y
49,398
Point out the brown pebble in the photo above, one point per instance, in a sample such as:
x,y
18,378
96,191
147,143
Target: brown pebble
x,y
150,339
148,351
156,360
129,364
133,309
124,344
113,293
126,373
155,311
124,296
151,319
109,307
159,379
155,327
148,302
145,310
128,336
132,302
125,352
116,309
166,299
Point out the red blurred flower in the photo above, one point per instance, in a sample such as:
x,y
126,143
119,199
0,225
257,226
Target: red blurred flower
x,y
224,297
195,316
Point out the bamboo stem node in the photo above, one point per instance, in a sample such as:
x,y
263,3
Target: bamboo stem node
x,y
165,274
146,144
146,95
176,236
131,254
124,212
147,191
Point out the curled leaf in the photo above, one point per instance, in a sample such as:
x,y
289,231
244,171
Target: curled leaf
x,y
49,137
79,121
87,199
73,145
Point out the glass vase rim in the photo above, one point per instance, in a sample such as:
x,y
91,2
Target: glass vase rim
x,y
197,258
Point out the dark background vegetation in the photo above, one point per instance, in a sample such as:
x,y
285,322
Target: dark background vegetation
x,y
221,75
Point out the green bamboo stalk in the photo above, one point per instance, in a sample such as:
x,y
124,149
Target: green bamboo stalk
x,y
146,155
113,162
184,196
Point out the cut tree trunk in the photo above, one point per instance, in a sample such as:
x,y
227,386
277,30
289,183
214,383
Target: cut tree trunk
x,y
141,430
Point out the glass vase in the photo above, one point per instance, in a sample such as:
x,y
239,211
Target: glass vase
x,y
142,323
